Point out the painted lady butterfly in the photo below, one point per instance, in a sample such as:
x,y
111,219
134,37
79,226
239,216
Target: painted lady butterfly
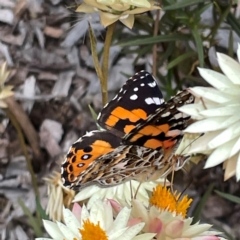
x,y
142,134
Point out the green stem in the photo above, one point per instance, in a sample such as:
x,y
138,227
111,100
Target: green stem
x,y
106,50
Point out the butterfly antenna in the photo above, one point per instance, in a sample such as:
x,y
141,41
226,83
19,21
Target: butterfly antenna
x,y
131,189
190,182
172,178
135,196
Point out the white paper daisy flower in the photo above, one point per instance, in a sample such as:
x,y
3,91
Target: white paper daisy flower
x,y
122,193
95,224
217,111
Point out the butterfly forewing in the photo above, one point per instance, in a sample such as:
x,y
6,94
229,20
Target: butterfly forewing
x,y
136,100
163,128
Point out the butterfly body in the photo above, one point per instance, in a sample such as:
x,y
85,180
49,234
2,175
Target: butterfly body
x,y
141,137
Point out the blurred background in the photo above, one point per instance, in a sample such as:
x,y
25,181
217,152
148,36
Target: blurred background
x,y
46,46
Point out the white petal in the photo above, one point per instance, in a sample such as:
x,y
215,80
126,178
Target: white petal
x,y
68,234
115,234
52,229
211,94
96,213
200,144
84,214
71,221
230,67
145,236
86,193
192,109
108,216
238,168
216,79
221,111
44,239
238,52
236,147
121,219
196,229
227,135
132,231
219,155
102,193
206,125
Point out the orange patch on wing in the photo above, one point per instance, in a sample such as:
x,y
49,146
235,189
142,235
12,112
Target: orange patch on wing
x,y
128,128
164,127
135,137
120,113
112,121
99,148
153,143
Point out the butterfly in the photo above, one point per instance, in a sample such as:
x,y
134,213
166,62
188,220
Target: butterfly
x,y
141,134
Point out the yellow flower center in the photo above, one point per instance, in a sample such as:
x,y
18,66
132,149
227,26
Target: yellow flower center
x,y
163,199
92,231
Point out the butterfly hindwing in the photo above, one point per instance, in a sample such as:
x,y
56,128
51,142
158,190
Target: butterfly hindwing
x,y
84,152
136,100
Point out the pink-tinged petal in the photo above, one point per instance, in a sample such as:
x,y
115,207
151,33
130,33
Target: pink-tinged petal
x,y
134,221
77,210
174,229
155,226
115,205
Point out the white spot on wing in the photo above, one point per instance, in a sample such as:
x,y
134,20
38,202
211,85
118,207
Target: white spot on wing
x,y
157,100
166,114
178,115
85,156
152,84
142,84
134,97
115,97
149,101
135,89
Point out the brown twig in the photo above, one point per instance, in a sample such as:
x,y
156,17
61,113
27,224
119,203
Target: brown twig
x,y
27,127
156,26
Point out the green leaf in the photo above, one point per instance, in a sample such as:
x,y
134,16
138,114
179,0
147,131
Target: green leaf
x,y
173,37
93,113
228,196
198,210
199,45
182,4
32,220
180,59
41,210
234,23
